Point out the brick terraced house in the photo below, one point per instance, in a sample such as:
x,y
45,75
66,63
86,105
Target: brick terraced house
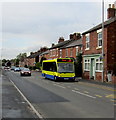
x,y
92,50
55,51
73,48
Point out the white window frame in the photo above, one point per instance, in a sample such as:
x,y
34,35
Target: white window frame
x,y
87,62
57,52
77,50
60,53
99,35
71,52
87,41
50,52
66,52
100,65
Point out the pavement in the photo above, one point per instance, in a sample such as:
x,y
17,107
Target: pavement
x,y
107,84
13,104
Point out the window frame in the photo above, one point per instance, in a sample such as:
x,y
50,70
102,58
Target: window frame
x,y
100,65
87,61
87,42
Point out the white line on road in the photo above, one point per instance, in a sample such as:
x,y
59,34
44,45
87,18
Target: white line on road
x,y
32,107
59,86
83,94
76,88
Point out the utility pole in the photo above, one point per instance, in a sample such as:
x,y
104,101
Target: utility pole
x,y
103,40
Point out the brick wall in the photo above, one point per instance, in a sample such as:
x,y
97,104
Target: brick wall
x,y
111,59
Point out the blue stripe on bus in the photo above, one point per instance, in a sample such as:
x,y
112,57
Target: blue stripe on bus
x,y
52,77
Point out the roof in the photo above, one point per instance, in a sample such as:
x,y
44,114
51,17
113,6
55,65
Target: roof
x,y
61,44
46,52
73,43
100,25
34,55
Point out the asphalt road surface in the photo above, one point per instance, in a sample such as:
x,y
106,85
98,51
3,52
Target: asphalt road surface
x,y
65,99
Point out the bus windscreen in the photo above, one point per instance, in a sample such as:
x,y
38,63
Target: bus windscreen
x,y
65,68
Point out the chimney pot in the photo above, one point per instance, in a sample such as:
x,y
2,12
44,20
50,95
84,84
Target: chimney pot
x,y
111,11
61,39
113,6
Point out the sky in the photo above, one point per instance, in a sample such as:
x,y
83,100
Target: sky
x,y
28,25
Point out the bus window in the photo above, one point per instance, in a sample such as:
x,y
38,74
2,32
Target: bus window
x,y
65,68
50,66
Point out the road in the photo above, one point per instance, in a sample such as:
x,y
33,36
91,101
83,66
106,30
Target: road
x,y
65,99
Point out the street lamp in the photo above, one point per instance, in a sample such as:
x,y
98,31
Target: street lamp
x,y
103,40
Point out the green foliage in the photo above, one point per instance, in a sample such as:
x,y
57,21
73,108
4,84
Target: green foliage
x,y
3,62
17,62
38,65
43,58
78,65
21,56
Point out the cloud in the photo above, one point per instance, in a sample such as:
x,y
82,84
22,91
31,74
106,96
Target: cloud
x,y
27,26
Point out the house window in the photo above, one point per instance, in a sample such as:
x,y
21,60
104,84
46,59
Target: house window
x,y
100,39
57,52
77,50
87,64
71,52
50,52
60,53
99,65
87,41
67,52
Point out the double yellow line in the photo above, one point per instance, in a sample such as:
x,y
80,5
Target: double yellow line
x,y
98,86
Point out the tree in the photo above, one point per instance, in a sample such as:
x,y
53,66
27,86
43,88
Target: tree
x,y
78,65
4,62
38,65
21,56
43,58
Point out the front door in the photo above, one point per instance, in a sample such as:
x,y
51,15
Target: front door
x,y
92,70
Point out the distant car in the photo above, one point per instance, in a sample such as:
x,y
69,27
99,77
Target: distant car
x,y
6,68
25,72
21,68
17,69
12,67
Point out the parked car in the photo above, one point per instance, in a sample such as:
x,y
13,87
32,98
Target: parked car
x,y
25,71
12,67
17,69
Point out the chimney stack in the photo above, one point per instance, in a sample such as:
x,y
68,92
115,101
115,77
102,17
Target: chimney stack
x,y
53,44
111,11
75,36
61,39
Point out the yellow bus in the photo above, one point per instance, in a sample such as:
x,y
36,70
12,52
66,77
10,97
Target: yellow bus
x,y
58,69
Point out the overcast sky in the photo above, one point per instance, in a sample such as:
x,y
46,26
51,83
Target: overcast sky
x,y
27,26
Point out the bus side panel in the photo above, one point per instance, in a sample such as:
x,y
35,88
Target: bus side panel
x,y
48,74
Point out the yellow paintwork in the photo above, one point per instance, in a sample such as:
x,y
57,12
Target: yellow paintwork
x,y
56,73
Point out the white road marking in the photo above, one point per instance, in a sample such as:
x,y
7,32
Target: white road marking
x,y
76,88
59,86
83,94
32,107
86,91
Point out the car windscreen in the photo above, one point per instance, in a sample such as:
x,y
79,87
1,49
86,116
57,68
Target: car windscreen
x,y
25,69
65,67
